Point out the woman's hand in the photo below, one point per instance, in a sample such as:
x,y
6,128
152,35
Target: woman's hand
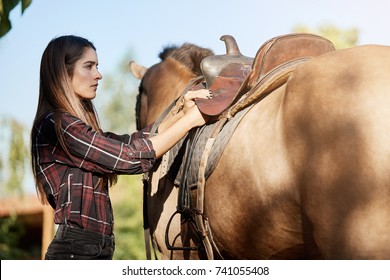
x,y
185,109
188,100
190,110
185,118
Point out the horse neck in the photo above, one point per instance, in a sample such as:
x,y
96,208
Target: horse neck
x,y
168,80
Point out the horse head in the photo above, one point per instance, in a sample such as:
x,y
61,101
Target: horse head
x,y
164,81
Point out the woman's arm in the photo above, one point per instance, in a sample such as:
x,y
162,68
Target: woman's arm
x,y
175,128
95,152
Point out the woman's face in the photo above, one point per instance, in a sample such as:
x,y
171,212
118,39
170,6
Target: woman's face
x,y
86,75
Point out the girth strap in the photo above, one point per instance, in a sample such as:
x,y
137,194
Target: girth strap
x,y
201,221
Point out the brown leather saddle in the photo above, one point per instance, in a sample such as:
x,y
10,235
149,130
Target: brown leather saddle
x,y
232,77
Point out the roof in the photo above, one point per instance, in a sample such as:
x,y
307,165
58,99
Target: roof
x,y
20,205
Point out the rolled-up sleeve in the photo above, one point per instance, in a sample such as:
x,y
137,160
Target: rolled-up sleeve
x,y
142,150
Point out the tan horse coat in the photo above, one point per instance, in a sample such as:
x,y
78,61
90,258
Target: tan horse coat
x,y
306,173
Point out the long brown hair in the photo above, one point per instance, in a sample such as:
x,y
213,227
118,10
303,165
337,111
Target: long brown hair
x,y
56,93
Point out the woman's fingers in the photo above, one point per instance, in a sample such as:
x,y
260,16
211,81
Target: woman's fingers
x,y
190,96
201,93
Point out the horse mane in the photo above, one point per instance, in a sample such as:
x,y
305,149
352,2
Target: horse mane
x,y
189,55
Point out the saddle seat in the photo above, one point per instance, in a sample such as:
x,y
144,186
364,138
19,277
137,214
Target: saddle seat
x,y
237,80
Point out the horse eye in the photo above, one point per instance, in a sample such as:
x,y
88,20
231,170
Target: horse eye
x,y
140,89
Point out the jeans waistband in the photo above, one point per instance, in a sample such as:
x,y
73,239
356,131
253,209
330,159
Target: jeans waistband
x,y
65,231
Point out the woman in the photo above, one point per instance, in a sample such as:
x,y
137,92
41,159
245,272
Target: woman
x,y
74,162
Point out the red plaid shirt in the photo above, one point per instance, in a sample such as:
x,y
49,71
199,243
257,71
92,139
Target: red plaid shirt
x,y
71,182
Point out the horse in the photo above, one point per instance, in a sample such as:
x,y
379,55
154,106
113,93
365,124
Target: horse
x,y
306,172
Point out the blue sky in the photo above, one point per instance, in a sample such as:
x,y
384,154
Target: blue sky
x,y
144,27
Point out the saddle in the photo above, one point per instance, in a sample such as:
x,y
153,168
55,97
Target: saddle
x,y
232,77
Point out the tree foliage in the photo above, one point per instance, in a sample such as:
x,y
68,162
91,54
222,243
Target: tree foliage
x,y
341,38
13,161
17,158
10,234
127,204
6,6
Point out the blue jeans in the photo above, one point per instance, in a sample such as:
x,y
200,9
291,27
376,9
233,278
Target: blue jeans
x,y
78,244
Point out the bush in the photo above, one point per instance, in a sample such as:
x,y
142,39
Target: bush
x,y
127,203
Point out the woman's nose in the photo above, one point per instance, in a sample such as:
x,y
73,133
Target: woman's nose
x,y
98,75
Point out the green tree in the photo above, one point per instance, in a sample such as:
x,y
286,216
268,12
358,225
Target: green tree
x,y
11,231
12,169
341,38
14,157
6,6
17,158
128,216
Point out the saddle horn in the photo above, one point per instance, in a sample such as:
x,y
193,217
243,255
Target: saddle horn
x,y
231,45
212,66
224,75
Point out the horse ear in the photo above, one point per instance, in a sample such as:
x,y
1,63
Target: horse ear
x,y
137,70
